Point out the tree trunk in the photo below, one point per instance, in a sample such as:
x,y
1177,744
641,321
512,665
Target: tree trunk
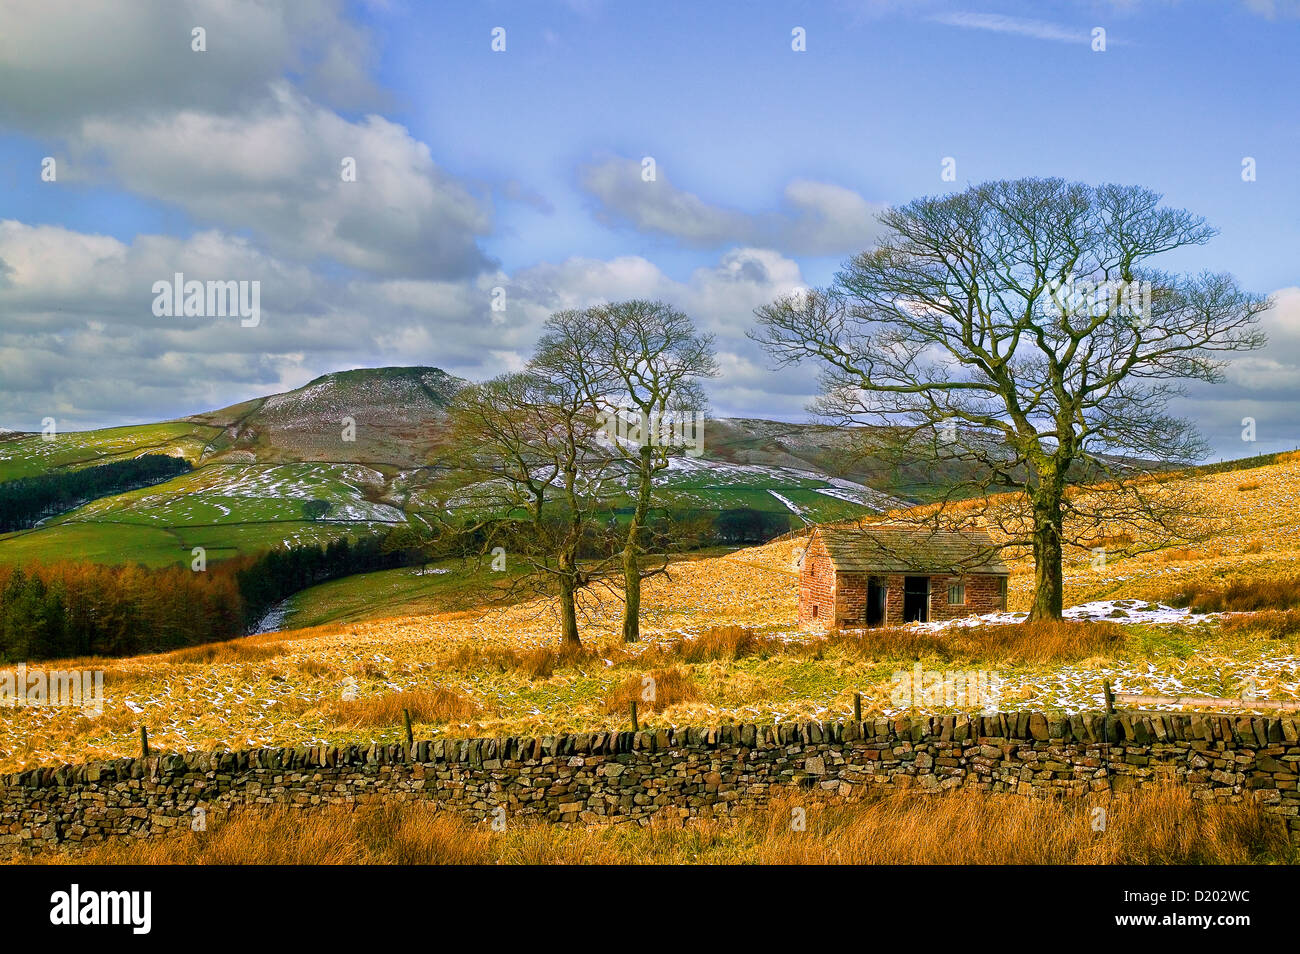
x,y
631,553
631,595
568,608
1048,578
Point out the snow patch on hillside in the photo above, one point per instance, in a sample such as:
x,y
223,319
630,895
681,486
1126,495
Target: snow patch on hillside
x,y
789,504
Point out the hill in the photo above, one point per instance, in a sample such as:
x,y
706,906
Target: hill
x,y
368,443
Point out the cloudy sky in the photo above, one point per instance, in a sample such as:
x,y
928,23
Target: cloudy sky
x,y
521,169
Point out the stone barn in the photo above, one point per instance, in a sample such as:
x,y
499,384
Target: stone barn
x,y
883,576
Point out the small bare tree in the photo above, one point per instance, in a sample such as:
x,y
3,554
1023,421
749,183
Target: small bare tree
x,y
529,441
641,364
1016,334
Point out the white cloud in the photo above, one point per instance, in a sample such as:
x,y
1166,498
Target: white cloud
x,y
64,60
816,218
277,169
80,340
1019,26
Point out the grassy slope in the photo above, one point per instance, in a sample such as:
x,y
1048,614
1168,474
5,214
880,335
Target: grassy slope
x,y
245,507
407,591
259,459
29,455
285,688
225,508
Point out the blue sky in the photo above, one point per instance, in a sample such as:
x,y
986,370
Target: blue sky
x,y
715,93
517,170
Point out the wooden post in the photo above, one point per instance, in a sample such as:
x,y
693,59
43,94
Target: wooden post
x,y
634,725
1110,711
144,742
410,737
857,707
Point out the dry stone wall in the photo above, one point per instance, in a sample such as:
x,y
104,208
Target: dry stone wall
x,y
602,777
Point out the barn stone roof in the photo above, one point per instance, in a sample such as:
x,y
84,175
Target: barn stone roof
x,y
870,549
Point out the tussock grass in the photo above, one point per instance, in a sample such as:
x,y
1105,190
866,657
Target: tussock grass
x,y
539,662
722,643
1113,541
719,643
1274,624
1029,642
671,686
1185,554
425,705
312,667
1156,825
1240,595
248,649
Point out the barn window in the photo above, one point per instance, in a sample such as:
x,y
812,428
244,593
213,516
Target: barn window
x,y
814,611
956,593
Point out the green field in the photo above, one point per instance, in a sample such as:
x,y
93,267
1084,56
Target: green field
x,y
30,455
408,591
227,509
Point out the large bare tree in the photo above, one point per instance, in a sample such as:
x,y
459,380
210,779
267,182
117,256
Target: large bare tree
x,y
1019,332
642,365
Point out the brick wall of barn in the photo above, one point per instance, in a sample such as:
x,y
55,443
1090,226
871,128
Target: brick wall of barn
x,y
817,587
847,593
983,595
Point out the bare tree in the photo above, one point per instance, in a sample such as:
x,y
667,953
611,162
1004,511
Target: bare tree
x,y
1017,332
539,474
641,364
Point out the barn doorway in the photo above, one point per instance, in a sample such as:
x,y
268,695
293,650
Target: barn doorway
x,y
916,599
875,601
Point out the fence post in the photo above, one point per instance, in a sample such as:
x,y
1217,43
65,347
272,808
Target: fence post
x,y
857,707
634,725
410,737
144,742
1110,712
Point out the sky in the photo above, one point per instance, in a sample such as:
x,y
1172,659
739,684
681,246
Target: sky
x,y
515,175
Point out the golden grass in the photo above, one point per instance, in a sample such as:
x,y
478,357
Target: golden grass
x,y
1274,624
1156,825
722,643
248,649
511,662
1038,642
424,705
654,691
1241,595
1183,554
539,662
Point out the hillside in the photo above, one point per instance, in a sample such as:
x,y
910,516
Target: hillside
x,y
472,670
397,414
257,462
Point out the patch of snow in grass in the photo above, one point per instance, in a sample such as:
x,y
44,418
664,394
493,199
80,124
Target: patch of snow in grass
x,y
1117,611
